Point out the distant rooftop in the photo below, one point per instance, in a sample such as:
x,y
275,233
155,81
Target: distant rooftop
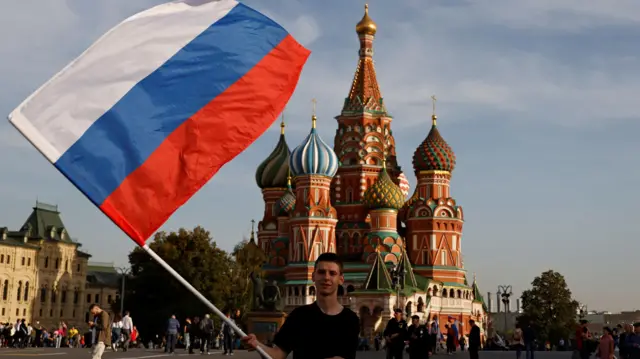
x,y
103,267
46,206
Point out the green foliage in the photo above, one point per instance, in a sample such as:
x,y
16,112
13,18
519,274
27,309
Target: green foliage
x,y
549,307
153,295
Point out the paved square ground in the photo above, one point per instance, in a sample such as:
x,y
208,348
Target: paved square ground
x,y
66,353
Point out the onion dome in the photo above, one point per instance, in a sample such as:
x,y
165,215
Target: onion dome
x,y
287,202
434,154
366,26
404,184
384,193
313,156
272,172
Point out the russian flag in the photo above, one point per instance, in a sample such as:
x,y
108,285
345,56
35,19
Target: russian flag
x,y
150,112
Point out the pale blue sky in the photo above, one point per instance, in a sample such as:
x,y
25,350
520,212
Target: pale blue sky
x,y
537,97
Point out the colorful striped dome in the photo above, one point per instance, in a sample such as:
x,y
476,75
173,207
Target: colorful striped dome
x,y
434,153
313,156
404,185
273,172
384,193
287,202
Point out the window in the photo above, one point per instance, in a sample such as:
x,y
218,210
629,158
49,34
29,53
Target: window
x,y
63,296
8,259
66,265
61,313
46,262
43,295
3,311
5,290
17,311
74,313
26,291
109,299
97,298
53,296
24,261
57,263
29,262
19,297
78,268
76,297
24,311
51,312
1,258
88,298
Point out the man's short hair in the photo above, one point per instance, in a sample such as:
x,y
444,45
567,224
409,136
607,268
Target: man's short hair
x,y
331,258
93,306
416,317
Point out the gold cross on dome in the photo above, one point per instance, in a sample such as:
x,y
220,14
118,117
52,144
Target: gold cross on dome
x,y
433,103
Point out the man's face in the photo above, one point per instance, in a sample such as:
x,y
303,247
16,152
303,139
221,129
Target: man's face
x,y
397,315
95,310
636,330
415,321
327,277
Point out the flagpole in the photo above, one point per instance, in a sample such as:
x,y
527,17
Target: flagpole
x,y
202,298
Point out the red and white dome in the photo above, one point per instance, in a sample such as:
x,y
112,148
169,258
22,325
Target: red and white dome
x,y
404,184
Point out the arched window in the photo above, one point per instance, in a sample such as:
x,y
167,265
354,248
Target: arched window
x,y
5,290
46,262
57,263
43,294
26,291
19,290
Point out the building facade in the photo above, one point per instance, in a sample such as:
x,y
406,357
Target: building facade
x,y
352,199
43,272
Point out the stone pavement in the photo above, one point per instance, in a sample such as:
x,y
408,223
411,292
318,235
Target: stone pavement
x,y
66,353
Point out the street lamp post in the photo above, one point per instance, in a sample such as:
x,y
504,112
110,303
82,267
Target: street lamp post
x,y
505,294
398,274
124,272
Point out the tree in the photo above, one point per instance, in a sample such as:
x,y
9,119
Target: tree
x,y
155,294
549,307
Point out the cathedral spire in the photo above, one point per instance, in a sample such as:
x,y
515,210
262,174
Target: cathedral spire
x,y
365,95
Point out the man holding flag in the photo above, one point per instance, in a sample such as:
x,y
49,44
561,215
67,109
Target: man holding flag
x,y
151,111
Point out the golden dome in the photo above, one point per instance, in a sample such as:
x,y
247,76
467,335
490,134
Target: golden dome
x,y
366,26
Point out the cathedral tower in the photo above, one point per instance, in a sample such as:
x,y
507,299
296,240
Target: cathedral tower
x,y
384,198
363,134
434,220
313,219
271,177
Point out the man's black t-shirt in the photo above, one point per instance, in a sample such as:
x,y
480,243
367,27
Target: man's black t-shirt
x,y
311,334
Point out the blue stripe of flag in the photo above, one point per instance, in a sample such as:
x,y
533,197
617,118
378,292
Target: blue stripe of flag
x,y
127,134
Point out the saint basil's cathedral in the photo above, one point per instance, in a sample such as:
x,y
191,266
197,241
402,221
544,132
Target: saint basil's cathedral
x,y
352,200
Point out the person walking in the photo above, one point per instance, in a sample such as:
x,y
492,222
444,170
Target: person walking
x,y
529,336
173,328
127,328
102,329
518,341
474,340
